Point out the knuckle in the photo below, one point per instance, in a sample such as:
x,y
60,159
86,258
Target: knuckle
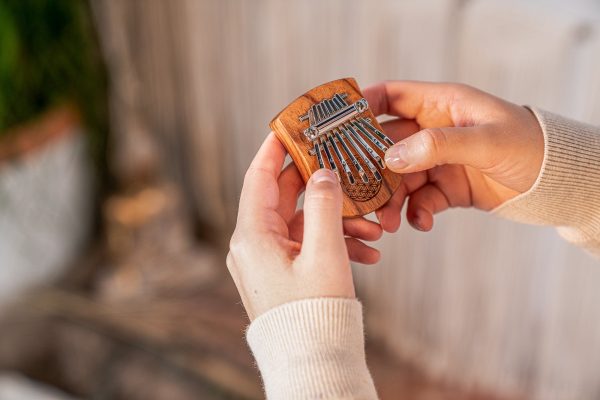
x,y
460,87
324,193
235,246
229,261
250,172
237,249
434,141
254,171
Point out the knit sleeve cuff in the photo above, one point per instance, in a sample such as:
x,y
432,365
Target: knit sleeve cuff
x,y
567,190
312,349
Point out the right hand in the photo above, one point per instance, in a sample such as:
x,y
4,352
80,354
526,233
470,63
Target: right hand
x,y
471,149
279,254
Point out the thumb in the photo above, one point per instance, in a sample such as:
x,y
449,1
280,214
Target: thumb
x,y
323,230
437,146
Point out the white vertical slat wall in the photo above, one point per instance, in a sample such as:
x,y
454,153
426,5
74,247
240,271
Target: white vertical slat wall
x,y
479,301
492,303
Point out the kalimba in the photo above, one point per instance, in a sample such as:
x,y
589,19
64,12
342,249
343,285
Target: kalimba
x,y
331,126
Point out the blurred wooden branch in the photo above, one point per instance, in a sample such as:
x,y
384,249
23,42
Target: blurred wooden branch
x,y
178,348
198,336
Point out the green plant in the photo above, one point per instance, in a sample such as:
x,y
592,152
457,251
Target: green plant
x,y
49,55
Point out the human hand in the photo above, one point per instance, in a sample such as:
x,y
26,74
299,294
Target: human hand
x,y
471,149
278,254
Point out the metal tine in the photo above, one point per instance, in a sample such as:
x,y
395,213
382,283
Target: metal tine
x,y
324,110
317,148
340,100
332,163
381,135
334,105
331,143
371,166
320,114
359,168
368,134
311,115
330,109
362,141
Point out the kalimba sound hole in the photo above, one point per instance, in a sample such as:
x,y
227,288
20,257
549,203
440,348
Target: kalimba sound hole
x,y
362,191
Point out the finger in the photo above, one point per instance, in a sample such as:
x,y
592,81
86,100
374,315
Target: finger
x,y
377,97
260,191
361,253
323,231
389,215
438,146
290,186
453,182
407,99
423,204
426,102
296,226
362,228
398,128
359,228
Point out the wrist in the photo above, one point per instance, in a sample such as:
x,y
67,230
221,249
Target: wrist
x,y
536,142
564,193
312,348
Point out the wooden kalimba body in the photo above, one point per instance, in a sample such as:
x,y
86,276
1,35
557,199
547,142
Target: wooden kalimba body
x,y
331,126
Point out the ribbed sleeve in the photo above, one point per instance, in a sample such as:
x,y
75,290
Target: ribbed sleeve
x,y
312,349
567,191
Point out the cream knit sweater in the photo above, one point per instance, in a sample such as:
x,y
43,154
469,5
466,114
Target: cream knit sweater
x,y
314,348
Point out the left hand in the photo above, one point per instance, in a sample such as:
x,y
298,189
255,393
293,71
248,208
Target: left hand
x,y
472,149
278,254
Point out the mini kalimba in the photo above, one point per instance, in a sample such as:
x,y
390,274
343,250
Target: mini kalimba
x,y
331,126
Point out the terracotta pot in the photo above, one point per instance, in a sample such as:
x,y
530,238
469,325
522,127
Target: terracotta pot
x,y
46,200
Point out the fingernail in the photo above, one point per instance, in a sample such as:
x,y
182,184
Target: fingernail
x,y
395,157
324,175
419,220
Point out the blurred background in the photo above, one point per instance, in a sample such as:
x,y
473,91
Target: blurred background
x,y
126,128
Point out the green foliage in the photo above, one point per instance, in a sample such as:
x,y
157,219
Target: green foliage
x,y
48,55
